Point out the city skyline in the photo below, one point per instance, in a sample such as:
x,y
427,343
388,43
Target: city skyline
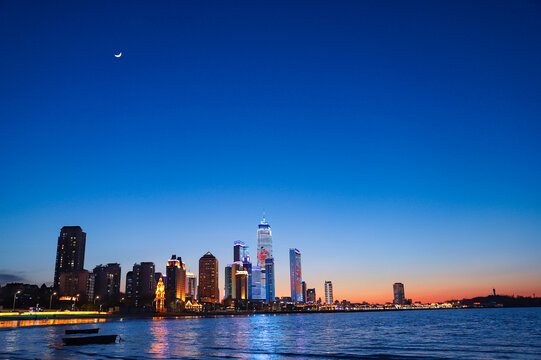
x,y
391,143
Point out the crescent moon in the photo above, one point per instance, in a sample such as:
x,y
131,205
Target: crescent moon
x,y
119,55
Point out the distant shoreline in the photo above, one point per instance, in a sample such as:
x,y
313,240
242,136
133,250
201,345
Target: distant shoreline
x,y
171,315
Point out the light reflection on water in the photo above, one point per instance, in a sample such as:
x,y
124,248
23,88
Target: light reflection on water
x,y
14,323
476,334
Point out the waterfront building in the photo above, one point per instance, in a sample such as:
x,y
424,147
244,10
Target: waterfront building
x,y
191,285
311,296
247,265
256,284
143,284
264,251
304,291
295,275
399,296
160,296
175,287
78,283
70,252
269,285
328,293
107,282
228,277
130,288
241,284
208,278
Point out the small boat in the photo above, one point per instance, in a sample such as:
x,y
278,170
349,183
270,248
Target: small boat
x,y
85,340
82,331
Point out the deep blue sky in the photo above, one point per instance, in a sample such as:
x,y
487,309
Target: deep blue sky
x,y
388,141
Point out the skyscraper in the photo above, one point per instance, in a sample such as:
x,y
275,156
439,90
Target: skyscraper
x,y
311,296
304,291
191,286
256,284
141,284
269,286
240,251
264,251
70,251
295,275
228,277
399,296
328,293
264,243
175,288
208,278
241,284
107,281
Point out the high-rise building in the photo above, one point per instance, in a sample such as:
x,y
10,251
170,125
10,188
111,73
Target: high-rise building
x,y
70,251
141,284
208,278
130,287
256,284
399,296
264,251
191,286
295,275
328,293
269,273
107,281
304,291
175,288
311,296
78,283
241,284
240,251
228,277
247,265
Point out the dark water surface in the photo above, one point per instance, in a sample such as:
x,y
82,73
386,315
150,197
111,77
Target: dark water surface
x,y
428,334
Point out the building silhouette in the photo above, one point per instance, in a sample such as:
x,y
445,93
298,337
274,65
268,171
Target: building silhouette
x,y
399,296
70,252
328,293
295,275
304,292
141,284
79,284
107,281
208,279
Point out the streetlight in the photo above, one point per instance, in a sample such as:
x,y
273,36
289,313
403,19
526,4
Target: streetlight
x,y
14,298
96,298
51,301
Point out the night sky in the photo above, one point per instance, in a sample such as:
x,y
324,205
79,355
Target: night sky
x,y
387,141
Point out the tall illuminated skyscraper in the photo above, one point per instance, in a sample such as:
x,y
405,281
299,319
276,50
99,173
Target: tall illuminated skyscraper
x,y
264,243
264,251
191,285
70,252
175,289
240,251
208,279
295,275
269,272
328,293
